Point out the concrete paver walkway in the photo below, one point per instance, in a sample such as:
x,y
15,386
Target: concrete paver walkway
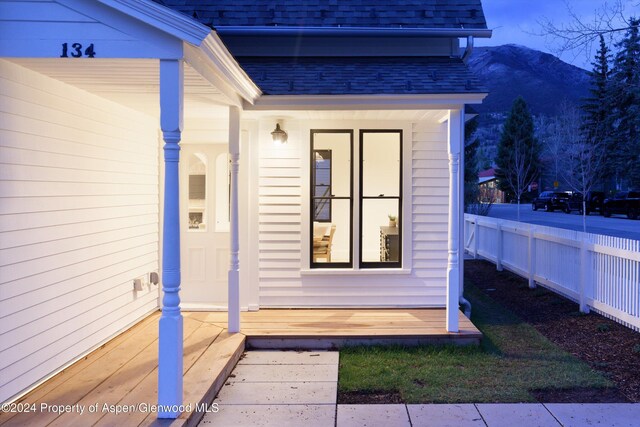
x,y
289,388
279,388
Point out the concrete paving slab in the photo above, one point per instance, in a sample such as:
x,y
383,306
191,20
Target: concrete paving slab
x,y
284,373
516,414
372,415
594,414
311,393
271,415
278,357
441,415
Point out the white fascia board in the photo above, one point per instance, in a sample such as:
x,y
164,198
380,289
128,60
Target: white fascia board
x,y
364,102
214,61
217,53
162,18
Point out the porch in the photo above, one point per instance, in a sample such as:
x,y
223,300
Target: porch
x,y
122,374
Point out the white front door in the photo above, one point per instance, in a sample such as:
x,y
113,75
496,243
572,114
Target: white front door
x,y
204,245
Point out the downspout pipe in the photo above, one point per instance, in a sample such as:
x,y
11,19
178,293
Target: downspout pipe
x,y
468,49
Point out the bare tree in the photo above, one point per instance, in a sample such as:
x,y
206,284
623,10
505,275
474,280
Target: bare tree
x,y
582,155
579,34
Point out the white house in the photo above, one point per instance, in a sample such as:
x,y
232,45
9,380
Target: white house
x,y
139,139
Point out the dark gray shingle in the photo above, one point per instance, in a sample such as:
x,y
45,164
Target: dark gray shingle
x,y
360,76
332,13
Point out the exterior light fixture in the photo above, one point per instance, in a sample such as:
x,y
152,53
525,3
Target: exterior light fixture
x,y
279,136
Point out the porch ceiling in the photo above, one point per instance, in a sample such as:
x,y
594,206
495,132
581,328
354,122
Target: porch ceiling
x,y
131,82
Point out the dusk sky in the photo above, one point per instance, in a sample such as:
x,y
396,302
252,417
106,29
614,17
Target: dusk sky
x,y
513,20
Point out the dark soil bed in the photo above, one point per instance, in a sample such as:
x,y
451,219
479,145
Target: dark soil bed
x,y
370,398
605,345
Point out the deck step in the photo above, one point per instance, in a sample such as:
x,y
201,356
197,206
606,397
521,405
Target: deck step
x,y
337,342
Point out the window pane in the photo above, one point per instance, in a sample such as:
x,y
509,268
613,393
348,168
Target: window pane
x,y
380,235
380,164
321,182
334,248
331,202
197,192
338,145
381,188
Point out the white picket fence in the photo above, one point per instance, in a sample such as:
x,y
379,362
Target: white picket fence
x,y
601,273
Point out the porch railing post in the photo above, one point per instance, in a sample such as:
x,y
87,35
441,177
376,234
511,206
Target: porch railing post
x,y
170,327
233,309
453,259
476,237
584,276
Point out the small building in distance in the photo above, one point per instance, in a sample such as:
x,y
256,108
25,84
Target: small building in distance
x,y
488,185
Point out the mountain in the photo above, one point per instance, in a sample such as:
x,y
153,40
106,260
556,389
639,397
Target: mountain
x,y
540,78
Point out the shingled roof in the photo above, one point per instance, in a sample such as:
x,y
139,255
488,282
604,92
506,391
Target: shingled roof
x,y
467,14
360,76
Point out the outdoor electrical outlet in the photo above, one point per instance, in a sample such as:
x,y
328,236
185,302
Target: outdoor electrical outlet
x,y
137,284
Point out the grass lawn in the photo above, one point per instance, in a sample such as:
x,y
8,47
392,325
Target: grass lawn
x,y
513,360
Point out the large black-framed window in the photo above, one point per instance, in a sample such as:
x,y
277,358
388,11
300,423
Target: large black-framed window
x,y
331,198
380,198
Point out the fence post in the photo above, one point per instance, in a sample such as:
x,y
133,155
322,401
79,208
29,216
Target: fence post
x,y
584,307
476,237
532,257
499,250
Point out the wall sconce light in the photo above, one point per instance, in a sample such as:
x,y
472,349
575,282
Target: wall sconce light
x,y
279,136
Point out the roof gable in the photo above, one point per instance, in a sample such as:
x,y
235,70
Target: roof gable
x,y
467,14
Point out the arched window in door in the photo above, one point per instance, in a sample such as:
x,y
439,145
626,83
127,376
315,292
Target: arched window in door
x,y
197,204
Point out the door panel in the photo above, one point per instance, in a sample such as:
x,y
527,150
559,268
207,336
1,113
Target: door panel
x,y
204,241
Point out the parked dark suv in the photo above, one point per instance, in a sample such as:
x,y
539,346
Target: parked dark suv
x,y
594,202
625,203
551,200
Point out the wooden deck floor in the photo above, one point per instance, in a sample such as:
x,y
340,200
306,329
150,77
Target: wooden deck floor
x,y
329,328
123,372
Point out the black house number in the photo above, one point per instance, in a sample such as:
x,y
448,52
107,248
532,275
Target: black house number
x,y
75,51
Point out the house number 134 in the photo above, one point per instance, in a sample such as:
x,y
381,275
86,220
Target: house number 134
x,y
75,51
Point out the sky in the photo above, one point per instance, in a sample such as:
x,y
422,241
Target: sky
x,y
517,21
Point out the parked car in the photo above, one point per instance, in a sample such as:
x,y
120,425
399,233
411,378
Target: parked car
x,y
551,200
624,203
594,202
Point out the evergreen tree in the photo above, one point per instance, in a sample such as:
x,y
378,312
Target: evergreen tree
x,y
597,108
518,158
470,162
625,151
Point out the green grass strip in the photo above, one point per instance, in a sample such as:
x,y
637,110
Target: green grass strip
x,y
513,359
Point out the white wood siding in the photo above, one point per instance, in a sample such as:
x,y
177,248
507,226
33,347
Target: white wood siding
x,y
283,183
78,222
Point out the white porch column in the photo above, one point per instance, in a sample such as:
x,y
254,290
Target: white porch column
x,y
234,266
170,334
453,261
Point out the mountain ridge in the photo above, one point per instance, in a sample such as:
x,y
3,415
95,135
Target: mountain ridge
x,y
542,79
